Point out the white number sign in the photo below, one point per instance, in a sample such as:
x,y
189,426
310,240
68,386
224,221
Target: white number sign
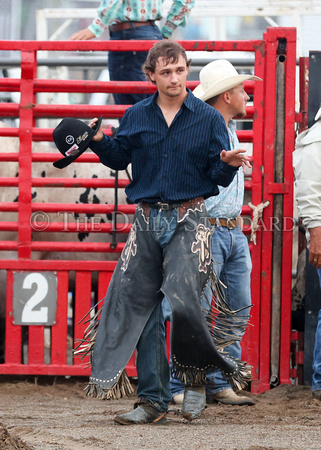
x,y
29,314
34,298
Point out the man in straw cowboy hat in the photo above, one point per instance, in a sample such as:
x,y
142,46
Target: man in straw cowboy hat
x,y
177,145
222,88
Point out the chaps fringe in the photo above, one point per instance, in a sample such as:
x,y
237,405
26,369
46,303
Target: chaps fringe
x,y
226,326
87,343
122,388
238,379
220,318
242,377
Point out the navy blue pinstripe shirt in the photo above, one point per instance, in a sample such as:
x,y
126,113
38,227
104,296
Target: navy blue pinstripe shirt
x,y
169,164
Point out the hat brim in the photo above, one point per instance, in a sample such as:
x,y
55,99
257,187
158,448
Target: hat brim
x,y
64,162
222,86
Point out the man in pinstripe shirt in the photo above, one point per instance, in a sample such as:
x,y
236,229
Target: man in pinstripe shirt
x,y
178,147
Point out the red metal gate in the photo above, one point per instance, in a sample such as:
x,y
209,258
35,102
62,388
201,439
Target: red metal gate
x,y
266,345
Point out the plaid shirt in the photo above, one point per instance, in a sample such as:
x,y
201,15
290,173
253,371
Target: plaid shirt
x,y
115,11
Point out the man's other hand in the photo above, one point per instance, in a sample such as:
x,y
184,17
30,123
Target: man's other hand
x,y
315,247
82,35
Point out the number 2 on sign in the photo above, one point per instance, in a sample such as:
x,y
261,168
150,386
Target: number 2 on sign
x,y
28,313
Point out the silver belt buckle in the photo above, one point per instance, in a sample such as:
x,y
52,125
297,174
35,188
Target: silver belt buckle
x,y
229,227
164,206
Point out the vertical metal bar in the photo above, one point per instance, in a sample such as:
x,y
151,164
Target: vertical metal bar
x,y
28,73
13,332
267,237
103,283
304,92
36,344
287,237
314,85
82,306
277,221
60,329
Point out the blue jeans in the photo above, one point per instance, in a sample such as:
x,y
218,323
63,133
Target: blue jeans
x,y
177,387
126,66
316,377
152,363
232,264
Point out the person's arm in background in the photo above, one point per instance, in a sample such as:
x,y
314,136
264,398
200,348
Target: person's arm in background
x,y
177,16
307,170
106,12
224,163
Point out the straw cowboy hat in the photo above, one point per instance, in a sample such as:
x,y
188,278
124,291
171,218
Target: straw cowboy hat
x,y
217,77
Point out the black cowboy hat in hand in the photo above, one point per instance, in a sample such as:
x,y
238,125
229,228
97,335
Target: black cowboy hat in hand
x,y
72,137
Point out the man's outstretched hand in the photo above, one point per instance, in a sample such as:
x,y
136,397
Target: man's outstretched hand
x,y
236,158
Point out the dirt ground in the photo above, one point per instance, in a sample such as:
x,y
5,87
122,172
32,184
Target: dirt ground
x,y
54,413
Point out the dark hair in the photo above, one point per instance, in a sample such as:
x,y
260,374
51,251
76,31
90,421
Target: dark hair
x,y
167,49
213,100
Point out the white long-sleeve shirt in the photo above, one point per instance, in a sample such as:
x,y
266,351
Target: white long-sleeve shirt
x,y
307,171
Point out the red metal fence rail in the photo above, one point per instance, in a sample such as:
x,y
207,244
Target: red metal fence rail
x,y
54,358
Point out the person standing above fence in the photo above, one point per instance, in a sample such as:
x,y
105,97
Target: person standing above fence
x,y
129,20
176,144
307,171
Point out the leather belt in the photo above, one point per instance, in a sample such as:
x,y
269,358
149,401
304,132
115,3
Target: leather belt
x,y
127,25
228,223
185,204
164,206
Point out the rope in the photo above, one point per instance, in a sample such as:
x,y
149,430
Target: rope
x,y
257,214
